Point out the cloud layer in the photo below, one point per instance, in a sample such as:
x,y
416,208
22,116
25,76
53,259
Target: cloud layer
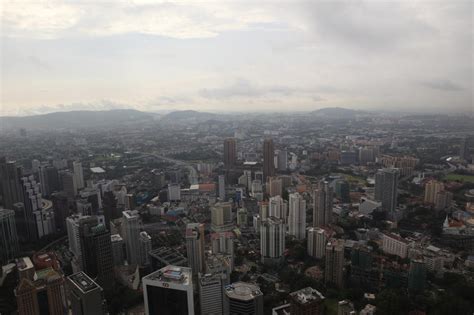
x,y
238,55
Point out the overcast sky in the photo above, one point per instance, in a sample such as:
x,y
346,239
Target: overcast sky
x,y
236,56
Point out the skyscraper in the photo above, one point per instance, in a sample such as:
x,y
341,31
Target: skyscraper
x,y
268,158
334,272
317,241
297,216
131,228
75,224
386,182
68,181
278,207
322,205
8,236
230,152
10,183
145,247
169,291
117,249
195,247
211,293
32,202
243,298
272,240
221,187
78,174
85,295
275,186
221,217
432,188
282,160
464,149
223,243
417,275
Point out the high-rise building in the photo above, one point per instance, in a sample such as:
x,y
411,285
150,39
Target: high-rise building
x,y
221,217
223,243
169,291
61,210
386,182
317,240
8,236
43,294
32,201
230,152
394,244
68,181
334,272
145,247
75,224
268,159
174,192
49,179
322,205
297,216
117,249
85,295
278,207
78,174
343,191
131,230
195,247
242,217
282,160
432,188
211,293
272,240
221,187
443,200
417,275
10,183
164,256
243,298
275,186
464,149
307,301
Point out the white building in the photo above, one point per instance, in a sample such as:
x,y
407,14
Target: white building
x,y
169,288
395,245
297,216
211,294
317,240
221,187
278,208
174,192
131,234
272,239
195,246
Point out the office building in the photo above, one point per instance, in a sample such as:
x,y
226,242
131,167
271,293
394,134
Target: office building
x,y
174,192
432,188
230,152
334,267
131,230
221,217
221,187
272,240
282,160
78,174
417,275
348,157
211,293
275,186
145,246
42,294
256,222
278,208
297,216
68,181
464,153
307,301
242,217
443,200
85,295
268,159
61,210
49,179
343,191
10,183
9,247
169,291
243,298
75,224
117,249
386,182
394,244
322,205
195,247
317,240
32,201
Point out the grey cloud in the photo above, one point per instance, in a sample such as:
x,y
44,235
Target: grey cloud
x,y
443,85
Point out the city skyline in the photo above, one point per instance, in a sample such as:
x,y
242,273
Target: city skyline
x,y
225,57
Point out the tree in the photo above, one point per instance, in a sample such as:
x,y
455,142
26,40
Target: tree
x,y
392,302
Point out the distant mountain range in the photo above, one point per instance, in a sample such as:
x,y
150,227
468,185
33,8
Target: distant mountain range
x,y
116,117
77,119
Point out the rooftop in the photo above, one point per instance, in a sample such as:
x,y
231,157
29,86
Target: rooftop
x,y
173,274
242,291
307,295
83,282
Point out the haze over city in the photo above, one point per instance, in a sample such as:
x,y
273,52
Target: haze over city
x,y
409,56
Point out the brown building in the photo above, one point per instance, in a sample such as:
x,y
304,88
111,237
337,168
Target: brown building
x,y
307,301
268,158
230,152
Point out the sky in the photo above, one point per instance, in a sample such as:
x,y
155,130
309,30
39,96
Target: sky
x,y
273,56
